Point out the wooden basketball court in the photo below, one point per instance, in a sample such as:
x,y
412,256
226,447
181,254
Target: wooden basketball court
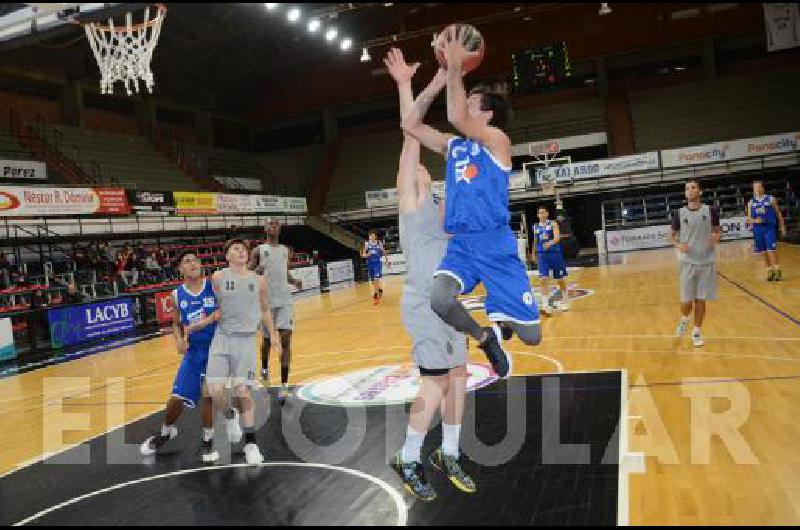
x,y
742,384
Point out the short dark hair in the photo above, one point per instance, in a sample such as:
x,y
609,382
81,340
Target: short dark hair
x,y
543,207
758,182
695,181
497,102
232,242
183,254
373,232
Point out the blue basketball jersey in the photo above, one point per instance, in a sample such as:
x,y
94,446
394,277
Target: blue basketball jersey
x,y
193,307
476,188
762,209
545,233
374,251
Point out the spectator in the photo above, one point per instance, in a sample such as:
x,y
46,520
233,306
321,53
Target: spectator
x,y
74,296
127,268
165,264
5,272
152,267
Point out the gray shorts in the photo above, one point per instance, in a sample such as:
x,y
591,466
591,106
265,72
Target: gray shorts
x,y
282,318
233,356
698,282
436,346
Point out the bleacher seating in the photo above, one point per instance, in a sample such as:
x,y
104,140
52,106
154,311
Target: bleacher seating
x,y
656,208
286,172
713,110
119,160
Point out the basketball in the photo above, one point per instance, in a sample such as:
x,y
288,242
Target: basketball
x,y
473,41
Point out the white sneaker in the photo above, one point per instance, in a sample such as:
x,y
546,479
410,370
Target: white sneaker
x,y
154,443
681,330
563,306
252,454
698,341
233,428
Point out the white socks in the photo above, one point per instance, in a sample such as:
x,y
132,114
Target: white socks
x,y
208,434
413,447
696,331
451,435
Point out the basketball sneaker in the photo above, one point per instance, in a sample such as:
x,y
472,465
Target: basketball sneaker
x,y
233,427
283,395
252,454
697,340
778,275
498,357
680,331
451,466
413,476
156,442
209,455
771,275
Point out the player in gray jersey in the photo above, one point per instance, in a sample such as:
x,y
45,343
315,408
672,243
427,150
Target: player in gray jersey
x,y
695,234
439,351
272,259
243,298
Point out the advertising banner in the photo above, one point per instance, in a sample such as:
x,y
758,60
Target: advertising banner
x,y
7,348
340,271
732,150
75,324
195,203
40,202
23,169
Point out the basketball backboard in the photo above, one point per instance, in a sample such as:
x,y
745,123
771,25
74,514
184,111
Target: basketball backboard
x,y
22,20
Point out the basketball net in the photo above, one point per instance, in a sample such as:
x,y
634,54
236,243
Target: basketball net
x,y
124,53
544,153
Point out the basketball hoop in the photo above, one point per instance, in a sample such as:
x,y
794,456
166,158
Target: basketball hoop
x,y
124,53
544,153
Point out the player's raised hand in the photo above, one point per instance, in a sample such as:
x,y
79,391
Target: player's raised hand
x,y
400,71
454,50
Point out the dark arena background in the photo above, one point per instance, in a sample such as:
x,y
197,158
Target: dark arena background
x,y
186,125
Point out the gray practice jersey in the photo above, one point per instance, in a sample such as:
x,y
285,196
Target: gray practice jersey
x,y
275,261
695,227
424,243
239,302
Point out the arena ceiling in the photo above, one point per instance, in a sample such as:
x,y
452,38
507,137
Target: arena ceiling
x,y
242,59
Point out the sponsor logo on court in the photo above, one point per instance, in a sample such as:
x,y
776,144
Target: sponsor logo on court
x,y
384,385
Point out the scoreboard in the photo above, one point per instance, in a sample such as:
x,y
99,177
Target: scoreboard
x,y
541,69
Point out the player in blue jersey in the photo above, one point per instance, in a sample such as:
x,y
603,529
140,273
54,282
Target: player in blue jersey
x,y
194,326
373,251
550,259
483,248
764,215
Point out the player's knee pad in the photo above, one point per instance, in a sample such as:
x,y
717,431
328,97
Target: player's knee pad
x,y
529,334
444,296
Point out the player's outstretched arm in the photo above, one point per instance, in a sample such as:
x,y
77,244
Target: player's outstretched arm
x,y
412,122
409,187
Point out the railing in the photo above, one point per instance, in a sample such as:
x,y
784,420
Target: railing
x,y
353,206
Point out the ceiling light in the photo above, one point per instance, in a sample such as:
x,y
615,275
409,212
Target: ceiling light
x,y
293,15
365,57
314,25
605,9
346,44
331,34
271,7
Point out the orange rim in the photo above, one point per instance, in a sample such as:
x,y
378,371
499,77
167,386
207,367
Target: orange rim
x,y
161,8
